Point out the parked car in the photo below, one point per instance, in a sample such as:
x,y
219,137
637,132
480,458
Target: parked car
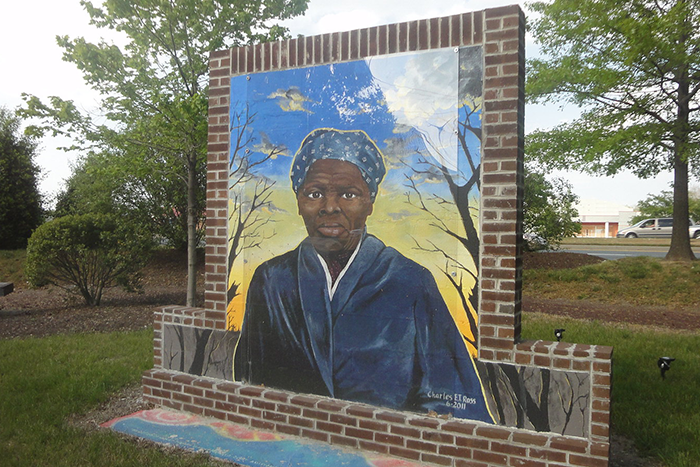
x,y
660,227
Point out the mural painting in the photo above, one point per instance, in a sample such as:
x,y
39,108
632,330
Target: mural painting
x,y
353,230
352,246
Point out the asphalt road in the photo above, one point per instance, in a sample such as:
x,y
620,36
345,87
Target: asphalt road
x,y
621,251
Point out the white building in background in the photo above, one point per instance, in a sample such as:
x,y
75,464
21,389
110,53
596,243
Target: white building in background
x,y
601,218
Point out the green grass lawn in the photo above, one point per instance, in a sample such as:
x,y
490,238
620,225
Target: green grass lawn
x,y
662,417
43,381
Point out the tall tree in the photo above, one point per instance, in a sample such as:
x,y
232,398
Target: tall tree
x,y
154,88
634,68
20,200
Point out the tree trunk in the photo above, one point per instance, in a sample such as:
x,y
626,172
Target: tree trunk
x,y
680,239
191,229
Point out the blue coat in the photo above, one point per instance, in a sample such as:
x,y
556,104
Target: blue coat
x,y
386,338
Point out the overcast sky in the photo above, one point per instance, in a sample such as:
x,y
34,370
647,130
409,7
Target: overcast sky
x,y
30,62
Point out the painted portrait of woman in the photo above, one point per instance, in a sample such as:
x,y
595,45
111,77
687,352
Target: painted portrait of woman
x,y
353,230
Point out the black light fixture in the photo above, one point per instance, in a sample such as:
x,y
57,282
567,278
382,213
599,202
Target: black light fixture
x,y
665,365
559,333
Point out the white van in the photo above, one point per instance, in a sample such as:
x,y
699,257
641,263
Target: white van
x,y
656,228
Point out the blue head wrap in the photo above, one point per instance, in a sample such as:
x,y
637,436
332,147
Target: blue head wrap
x,y
350,146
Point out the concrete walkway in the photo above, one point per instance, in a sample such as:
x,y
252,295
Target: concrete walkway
x,y
240,444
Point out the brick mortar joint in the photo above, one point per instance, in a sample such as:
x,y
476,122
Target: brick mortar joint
x,y
528,347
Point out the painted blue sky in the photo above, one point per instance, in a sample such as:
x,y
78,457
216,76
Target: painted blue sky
x,y
407,103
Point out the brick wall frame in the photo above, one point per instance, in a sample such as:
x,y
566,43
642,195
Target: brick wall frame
x,y
421,438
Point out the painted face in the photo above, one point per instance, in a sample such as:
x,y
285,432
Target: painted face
x,y
334,202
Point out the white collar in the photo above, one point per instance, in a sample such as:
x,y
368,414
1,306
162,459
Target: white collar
x,y
332,287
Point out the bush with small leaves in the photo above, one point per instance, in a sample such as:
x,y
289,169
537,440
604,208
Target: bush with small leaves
x,y
85,254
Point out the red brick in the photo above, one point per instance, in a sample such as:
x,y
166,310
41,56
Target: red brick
x,y
182,397
391,417
509,449
374,425
541,360
167,385
459,427
305,401
203,402
288,430
289,409
493,433
562,363
601,417
581,365
266,405
435,459
588,461
602,380
405,453
276,396
437,437
358,433
470,463
373,447
315,414
477,443
302,422
490,457
252,391
529,438
249,411
225,406
389,439
235,418
455,451
193,408
343,441
602,431
406,431
316,435
517,462
569,444
600,449
213,413
421,445
360,411
329,427
343,419
331,406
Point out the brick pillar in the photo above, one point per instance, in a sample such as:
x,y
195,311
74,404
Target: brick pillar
x,y
502,183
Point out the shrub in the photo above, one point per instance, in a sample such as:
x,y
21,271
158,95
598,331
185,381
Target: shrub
x,y
85,254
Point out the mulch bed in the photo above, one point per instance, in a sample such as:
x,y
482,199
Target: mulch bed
x,y
42,312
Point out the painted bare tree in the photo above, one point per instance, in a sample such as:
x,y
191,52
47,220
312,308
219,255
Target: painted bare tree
x,y
198,351
249,192
461,173
464,187
537,398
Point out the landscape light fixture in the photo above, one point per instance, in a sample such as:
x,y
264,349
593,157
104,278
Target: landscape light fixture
x,y
665,365
559,333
